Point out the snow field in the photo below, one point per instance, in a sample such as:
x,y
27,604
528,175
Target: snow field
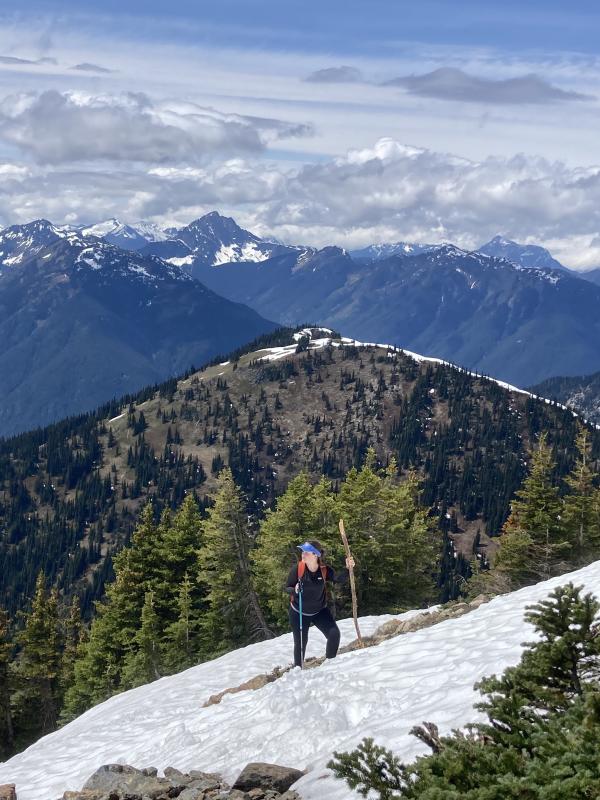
x,y
300,719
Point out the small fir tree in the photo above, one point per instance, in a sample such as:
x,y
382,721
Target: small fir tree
x,y
142,663
540,740
74,635
581,507
534,544
233,615
39,666
181,647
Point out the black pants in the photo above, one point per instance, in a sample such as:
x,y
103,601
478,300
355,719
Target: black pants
x,y
324,622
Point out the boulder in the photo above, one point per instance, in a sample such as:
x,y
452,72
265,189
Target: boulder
x,y
8,791
176,776
123,779
266,776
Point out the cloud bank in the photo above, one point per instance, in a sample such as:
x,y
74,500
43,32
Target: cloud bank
x,y
54,128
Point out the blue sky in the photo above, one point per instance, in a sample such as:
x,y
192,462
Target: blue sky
x,y
330,122
337,26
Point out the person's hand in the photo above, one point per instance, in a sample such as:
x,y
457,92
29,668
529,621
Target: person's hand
x,y
297,588
350,563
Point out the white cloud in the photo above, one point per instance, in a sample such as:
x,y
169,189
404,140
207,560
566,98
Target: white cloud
x,y
55,127
394,192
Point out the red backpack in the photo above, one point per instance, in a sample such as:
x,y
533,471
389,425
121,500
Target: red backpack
x,y
302,570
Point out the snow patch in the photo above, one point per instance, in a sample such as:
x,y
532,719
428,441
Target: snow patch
x,y
180,262
234,252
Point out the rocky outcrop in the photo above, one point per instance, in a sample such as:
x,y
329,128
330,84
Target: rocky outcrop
x,y
257,781
7,791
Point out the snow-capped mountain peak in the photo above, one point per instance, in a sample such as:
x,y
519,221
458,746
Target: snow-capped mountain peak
x,y
150,231
530,256
90,254
19,242
213,240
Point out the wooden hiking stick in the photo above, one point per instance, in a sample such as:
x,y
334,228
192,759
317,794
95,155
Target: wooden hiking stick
x,y
352,586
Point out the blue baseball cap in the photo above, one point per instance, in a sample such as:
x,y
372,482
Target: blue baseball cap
x,y
307,547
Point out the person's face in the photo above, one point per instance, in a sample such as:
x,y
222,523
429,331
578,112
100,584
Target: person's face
x,y
310,559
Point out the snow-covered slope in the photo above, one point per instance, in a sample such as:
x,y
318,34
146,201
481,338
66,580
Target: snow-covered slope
x,y
129,237
301,718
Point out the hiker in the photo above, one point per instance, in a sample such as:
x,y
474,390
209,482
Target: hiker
x,y
310,575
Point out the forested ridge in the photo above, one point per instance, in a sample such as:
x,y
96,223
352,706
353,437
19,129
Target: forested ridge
x,y
71,492
257,456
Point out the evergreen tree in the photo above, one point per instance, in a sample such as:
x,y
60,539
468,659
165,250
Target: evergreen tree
x,y
146,556
6,723
406,549
358,506
74,635
97,671
394,542
581,507
534,543
142,663
181,543
233,615
140,603
181,646
38,668
541,738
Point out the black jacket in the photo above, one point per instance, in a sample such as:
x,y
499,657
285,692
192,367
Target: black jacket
x,y
314,593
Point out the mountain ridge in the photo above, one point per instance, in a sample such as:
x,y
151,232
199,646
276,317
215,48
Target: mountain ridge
x,y
84,321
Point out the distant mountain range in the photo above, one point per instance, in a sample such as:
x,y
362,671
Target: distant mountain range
x,y
82,321
214,240
518,323
507,310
